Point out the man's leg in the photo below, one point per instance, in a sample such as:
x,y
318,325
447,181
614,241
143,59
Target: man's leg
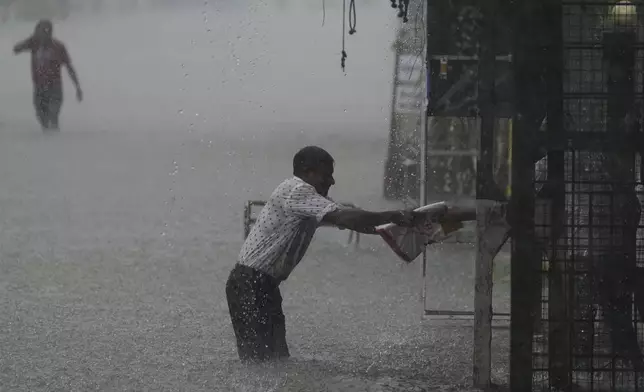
x,y
271,330
254,302
243,313
54,104
278,326
40,105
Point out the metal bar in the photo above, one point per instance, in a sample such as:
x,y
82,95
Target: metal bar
x,y
593,3
424,149
559,328
449,153
595,95
592,141
452,57
527,117
482,356
430,312
391,188
598,47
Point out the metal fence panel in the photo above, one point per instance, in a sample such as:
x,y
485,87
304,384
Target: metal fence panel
x,y
586,331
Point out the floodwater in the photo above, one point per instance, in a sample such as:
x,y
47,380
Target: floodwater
x,y
117,234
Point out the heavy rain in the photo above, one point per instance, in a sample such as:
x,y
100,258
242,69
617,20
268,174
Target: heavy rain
x,y
118,232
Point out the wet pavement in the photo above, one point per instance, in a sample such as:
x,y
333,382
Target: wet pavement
x,y
117,235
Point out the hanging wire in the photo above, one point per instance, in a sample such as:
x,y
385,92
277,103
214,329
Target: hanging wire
x,y
323,12
344,21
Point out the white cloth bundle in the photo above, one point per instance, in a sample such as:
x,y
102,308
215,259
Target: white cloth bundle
x,y
409,242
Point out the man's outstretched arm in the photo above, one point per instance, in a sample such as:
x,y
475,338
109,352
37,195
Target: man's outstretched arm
x,y
73,76
71,70
306,202
365,221
22,46
362,230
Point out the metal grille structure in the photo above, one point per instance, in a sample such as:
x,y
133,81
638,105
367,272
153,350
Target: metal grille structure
x,y
586,332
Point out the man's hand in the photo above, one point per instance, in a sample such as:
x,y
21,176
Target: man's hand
x,y
22,46
407,218
366,230
79,94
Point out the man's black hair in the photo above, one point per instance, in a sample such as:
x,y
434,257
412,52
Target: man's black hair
x,y
310,158
44,23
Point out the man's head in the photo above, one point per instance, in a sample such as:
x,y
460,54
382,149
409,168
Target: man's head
x,y
44,30
315,166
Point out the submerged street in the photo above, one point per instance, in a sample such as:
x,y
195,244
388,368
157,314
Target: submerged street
x,y
118,233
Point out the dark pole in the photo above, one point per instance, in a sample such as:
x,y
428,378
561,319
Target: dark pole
x,y
525,256
485,189
560,281
485,185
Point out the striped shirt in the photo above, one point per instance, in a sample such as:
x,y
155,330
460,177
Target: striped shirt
x,y
284,228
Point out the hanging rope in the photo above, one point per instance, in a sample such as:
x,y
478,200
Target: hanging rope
x,y
352,26
403,9
352,17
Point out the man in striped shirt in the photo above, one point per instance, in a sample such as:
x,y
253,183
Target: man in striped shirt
x,y
276,244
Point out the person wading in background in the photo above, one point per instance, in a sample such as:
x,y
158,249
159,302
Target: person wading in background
x,y
276,244
48,55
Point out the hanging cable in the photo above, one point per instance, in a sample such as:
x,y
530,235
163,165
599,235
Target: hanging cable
x,y
323,12
352,17
344,21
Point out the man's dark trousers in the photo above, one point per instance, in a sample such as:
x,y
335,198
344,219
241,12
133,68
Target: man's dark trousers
x,y
48,100
255,306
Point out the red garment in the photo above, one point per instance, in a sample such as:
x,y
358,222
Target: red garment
x,y
46,60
